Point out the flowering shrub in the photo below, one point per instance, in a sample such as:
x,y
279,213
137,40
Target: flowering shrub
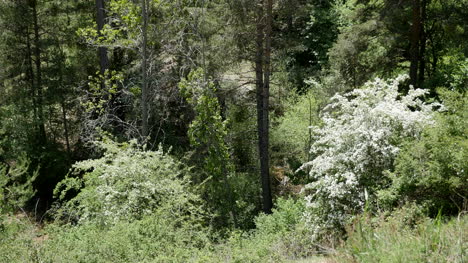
x,y
127,184
358,141
433,170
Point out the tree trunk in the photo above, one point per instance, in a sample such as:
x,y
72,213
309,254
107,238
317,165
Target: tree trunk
x,y
259,74
30,76
38,75
65,127
102,51
144,71
422,50
266,193
262,73
415,42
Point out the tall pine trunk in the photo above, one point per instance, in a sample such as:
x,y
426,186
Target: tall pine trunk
x,y
38,74
422,48
266,193
415,42
144,72
102,51
262,74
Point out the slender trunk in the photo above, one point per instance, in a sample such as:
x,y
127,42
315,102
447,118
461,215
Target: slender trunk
x,y
30,76
259,73
422,50
309,143
102,51
435,59
38,82
65,126
415,41
264,148
144,71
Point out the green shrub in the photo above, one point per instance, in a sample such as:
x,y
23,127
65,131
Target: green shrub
x,y
155,238
16,185
279,237
433,170
17,239
246,189
127,184
207,134
360,138
392,239
291,137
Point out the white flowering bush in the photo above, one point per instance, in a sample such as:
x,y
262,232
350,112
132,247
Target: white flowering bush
x,y
358,141
126,184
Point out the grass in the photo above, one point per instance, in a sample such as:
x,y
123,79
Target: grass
x,y
397,239
400,237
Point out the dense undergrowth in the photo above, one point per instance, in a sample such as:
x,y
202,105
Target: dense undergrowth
x,y
403,236
382,163
233,131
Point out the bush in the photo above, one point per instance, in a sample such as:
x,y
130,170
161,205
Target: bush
x,y
290,136
359,140
279,237
392,239
155,238
127,184
433,170
17,239
16,185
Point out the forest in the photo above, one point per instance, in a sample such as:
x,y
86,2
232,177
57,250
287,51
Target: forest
x,y
320,131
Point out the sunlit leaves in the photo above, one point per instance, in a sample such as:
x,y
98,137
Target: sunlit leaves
x,y
359,139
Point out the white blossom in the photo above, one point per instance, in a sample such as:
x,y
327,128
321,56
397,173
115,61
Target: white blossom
x,y
358,140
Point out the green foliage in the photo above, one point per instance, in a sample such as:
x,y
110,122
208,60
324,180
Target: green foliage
x,y
308,30
364,46
285,217
155,238
291,137
374,41
207,133
279,237
433,170
16,185
17,239
392,239
159,237
98,98
246,198
124,30
127,183
133,205
360,138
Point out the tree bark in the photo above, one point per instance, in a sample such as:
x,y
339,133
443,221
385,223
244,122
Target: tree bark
x,y
144,71
262,74
415,42
102,51
422,49
266,193
259,73
38,75
65,126
30,76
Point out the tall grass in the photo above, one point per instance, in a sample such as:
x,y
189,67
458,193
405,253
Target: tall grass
x,y
401,237
404,238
